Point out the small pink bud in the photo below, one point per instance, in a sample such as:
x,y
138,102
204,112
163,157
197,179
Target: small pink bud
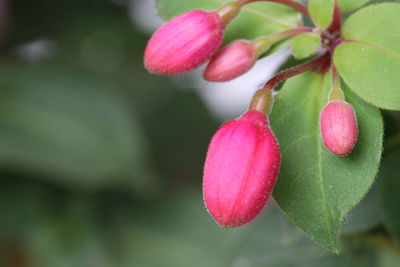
x,y
184,43
241,168
231,62
339,127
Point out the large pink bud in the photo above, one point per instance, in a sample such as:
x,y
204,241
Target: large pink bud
x,y
231,62
241,168
339,127
184,43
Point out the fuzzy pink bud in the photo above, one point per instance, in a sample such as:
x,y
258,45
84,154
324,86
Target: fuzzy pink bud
x,y
241,168
339,127
184,43
231,62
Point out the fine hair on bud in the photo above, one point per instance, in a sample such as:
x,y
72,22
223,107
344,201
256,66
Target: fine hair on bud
x,y
241,169
339,128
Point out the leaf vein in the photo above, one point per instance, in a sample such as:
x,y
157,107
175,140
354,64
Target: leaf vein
x,y
294,143
319,164
322,187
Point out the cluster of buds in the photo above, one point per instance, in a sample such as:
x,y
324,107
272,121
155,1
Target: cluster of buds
x,y
243,158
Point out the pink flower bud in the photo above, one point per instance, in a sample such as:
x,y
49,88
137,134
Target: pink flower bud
x,y
184,43
241,168
339,127
231,62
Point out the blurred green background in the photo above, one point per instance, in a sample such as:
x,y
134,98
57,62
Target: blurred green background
x,y
101,163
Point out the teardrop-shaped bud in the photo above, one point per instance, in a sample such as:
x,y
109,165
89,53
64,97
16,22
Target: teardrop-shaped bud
x,y
241,168
184,43
230,62
339,127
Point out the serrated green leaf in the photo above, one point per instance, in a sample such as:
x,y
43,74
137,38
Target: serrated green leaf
x,y
255,20
370,61
321,12
316,189
350,5
304,45
390,191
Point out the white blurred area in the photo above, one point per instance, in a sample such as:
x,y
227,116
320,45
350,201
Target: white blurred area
x,y
225,100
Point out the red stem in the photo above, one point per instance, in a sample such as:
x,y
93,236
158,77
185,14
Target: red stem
x,y
337,20
286,74
290,3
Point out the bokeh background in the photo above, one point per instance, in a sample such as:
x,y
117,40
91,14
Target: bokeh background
x,y
101,163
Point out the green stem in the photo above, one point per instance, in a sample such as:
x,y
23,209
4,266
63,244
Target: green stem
x,y
336,92
263,43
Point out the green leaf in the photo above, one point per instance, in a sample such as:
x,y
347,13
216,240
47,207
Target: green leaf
x,y
316,189
304,45
390,191
321,12
350,5
255,20
370,62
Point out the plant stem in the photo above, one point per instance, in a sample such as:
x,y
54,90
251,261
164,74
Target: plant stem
x,y
263,43
288,73
335,78
337,20
299,7
262,101
289,33
336,92
263,98
229,11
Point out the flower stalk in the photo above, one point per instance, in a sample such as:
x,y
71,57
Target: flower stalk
x,y
263,43
336,92
288,73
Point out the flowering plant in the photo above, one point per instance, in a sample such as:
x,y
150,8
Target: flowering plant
x,y
326,116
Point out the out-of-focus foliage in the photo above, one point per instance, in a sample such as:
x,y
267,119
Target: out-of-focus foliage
x,y
71,127
62,228
101,163
391,190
